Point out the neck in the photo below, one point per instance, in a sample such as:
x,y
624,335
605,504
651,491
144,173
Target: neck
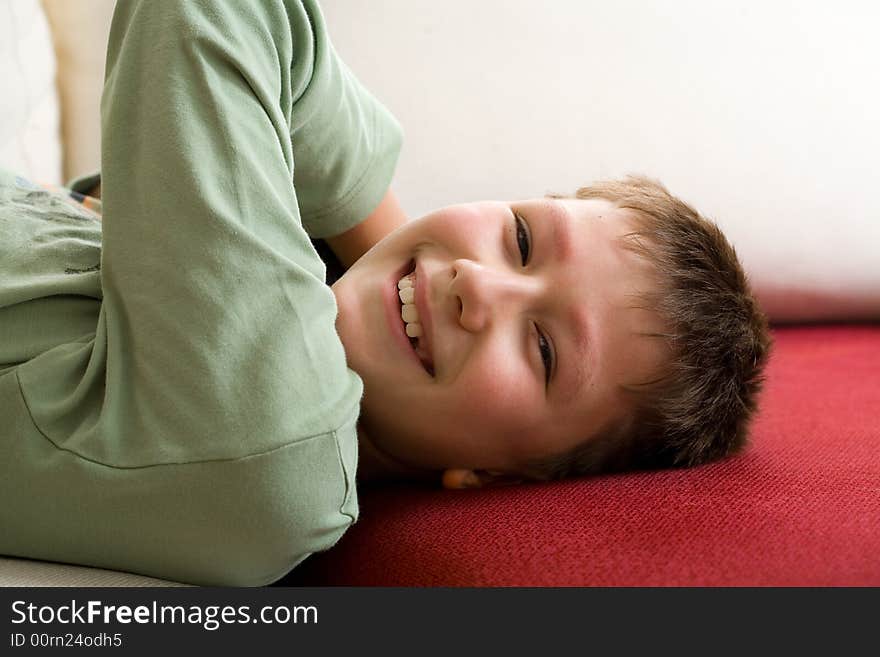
x,y
374,466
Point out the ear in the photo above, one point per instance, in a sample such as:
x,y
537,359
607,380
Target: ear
x,y
457,478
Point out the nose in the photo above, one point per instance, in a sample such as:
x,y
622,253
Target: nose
x,y
485,293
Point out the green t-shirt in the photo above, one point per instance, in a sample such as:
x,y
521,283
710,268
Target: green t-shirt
x,y
174,397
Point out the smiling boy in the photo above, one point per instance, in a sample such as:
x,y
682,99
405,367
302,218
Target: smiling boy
x,y
614,330
525,307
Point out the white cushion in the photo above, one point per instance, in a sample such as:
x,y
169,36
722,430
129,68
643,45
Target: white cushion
x,y
29,111
24,572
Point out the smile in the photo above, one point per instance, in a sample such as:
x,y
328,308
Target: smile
x,y
396,324
409,313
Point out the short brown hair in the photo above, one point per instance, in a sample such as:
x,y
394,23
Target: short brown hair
x,y
700,405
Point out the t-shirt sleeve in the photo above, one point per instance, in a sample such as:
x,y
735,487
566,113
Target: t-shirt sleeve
x,y
345,142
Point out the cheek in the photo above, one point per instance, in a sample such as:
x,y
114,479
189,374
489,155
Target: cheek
x,y
495,386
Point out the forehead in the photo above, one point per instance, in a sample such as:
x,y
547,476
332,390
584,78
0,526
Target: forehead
x,y
600,233
594,227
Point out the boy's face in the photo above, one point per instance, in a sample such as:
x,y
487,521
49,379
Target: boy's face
x,y
487,406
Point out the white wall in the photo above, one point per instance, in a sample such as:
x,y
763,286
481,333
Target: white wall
x,y
763,114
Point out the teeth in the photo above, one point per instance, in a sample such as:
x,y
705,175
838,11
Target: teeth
x,y
409,313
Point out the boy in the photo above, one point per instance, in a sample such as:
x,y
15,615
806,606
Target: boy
x,y
560,336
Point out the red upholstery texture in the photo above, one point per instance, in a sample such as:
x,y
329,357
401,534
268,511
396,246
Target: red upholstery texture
x,y
800,507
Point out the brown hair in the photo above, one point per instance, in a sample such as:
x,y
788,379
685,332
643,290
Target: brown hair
x,y
700,405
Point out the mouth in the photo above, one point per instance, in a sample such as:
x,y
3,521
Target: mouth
x,y
398,327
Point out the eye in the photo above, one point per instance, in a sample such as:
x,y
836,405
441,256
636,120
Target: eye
x,y
546,354
523,239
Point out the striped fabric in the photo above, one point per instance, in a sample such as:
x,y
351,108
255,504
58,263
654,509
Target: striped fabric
x,y
80,200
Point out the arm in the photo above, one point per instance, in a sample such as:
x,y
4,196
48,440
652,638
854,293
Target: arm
x,y
353,243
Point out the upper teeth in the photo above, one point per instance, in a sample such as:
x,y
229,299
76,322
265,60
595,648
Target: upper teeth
x,y
408,311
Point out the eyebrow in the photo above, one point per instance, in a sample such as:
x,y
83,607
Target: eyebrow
x,y
584,356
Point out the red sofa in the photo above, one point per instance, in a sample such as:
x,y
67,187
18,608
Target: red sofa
x,y
800,507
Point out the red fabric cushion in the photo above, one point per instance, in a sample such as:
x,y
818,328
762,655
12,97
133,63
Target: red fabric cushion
x,y
800,507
